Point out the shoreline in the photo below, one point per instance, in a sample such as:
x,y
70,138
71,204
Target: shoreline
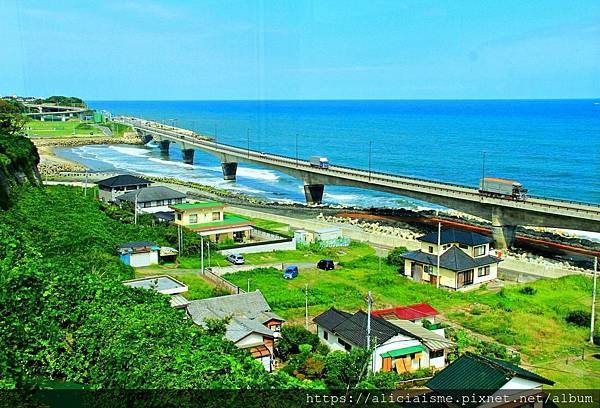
x,y
418,220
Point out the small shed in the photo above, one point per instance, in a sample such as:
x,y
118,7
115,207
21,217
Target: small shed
x,y
302,237
328,234
164,284
139,253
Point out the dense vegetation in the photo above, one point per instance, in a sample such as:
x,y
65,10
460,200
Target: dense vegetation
x,y
66,316
63,101
18,156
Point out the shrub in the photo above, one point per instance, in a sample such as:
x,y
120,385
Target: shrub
x,y
579,318
394,256
292,337
528,290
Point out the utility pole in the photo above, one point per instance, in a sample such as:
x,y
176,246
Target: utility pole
x,y
296,149
594,300
439,241
370,150
135,207
179,238
369,302
201,254
208,249
306,306
248,288
483,170
85,184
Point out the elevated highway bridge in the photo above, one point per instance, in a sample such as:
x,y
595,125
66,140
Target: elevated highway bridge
x,y
504,214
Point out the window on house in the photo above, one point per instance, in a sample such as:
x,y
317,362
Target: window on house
x,y
436,354
216,216
193,218
484,271
347,346
479,250
430,249
325,335
428,269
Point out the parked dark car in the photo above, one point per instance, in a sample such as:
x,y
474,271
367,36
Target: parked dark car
x,y
290,272
325,264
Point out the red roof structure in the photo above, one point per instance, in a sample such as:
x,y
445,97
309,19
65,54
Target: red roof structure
x,y
412,312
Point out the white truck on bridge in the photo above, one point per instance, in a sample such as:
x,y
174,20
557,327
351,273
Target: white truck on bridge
x,y
318,161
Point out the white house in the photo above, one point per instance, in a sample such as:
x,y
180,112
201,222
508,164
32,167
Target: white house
x,y
139,253
396,348
464,256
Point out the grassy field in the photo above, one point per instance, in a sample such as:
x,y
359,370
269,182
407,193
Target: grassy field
x,y
276,226
72,127
533,324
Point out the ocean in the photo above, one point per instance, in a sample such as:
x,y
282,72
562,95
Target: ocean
x,y
551,146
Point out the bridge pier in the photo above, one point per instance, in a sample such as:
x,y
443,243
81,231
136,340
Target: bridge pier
x,y
314,193
188,156
503,234
164,146
146,138
229,170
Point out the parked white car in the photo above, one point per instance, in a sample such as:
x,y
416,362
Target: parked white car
x,y
236,259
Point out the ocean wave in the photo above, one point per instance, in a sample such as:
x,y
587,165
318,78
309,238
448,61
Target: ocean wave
x,y
172,163
130,151
258,174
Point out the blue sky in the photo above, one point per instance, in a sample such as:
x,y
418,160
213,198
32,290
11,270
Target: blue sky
x,y
301,49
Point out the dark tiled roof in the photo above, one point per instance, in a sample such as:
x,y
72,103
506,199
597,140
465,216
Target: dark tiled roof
x,y
353,328
454,259
137,244
480,374
164,215
123,180
455,235
148,194
331,318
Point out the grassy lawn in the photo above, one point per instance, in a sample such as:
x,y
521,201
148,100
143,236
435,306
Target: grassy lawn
x,y
354,251
533,324
72,127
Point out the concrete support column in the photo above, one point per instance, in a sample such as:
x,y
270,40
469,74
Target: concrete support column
x,y
229,170
146,138
188,156
314,193
164,146
503,233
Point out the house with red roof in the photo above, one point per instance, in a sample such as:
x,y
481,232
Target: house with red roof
x,y
414,313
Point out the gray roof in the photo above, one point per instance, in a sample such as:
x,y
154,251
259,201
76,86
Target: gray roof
x,y
148,194
138,244
248,312
431,340
454,259
452,235
159,283
123,180
353,328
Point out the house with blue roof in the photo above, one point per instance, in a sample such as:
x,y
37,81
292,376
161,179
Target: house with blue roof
x,y
464,258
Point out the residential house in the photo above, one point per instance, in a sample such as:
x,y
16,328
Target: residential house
x,y
153,199
489,382
464,257
252,325
139,253
414,313
402,349
113,187
164,284
209,220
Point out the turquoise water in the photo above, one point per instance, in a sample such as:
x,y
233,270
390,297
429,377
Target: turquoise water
x,y
551,146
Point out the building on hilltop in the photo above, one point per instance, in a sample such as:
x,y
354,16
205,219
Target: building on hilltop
x,y
252,325
465,260
403,348
113,187
153,199
209,220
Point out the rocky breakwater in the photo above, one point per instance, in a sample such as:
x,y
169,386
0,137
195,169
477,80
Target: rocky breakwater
x,y
404,231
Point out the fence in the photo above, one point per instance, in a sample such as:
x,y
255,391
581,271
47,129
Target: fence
x,y
220,282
